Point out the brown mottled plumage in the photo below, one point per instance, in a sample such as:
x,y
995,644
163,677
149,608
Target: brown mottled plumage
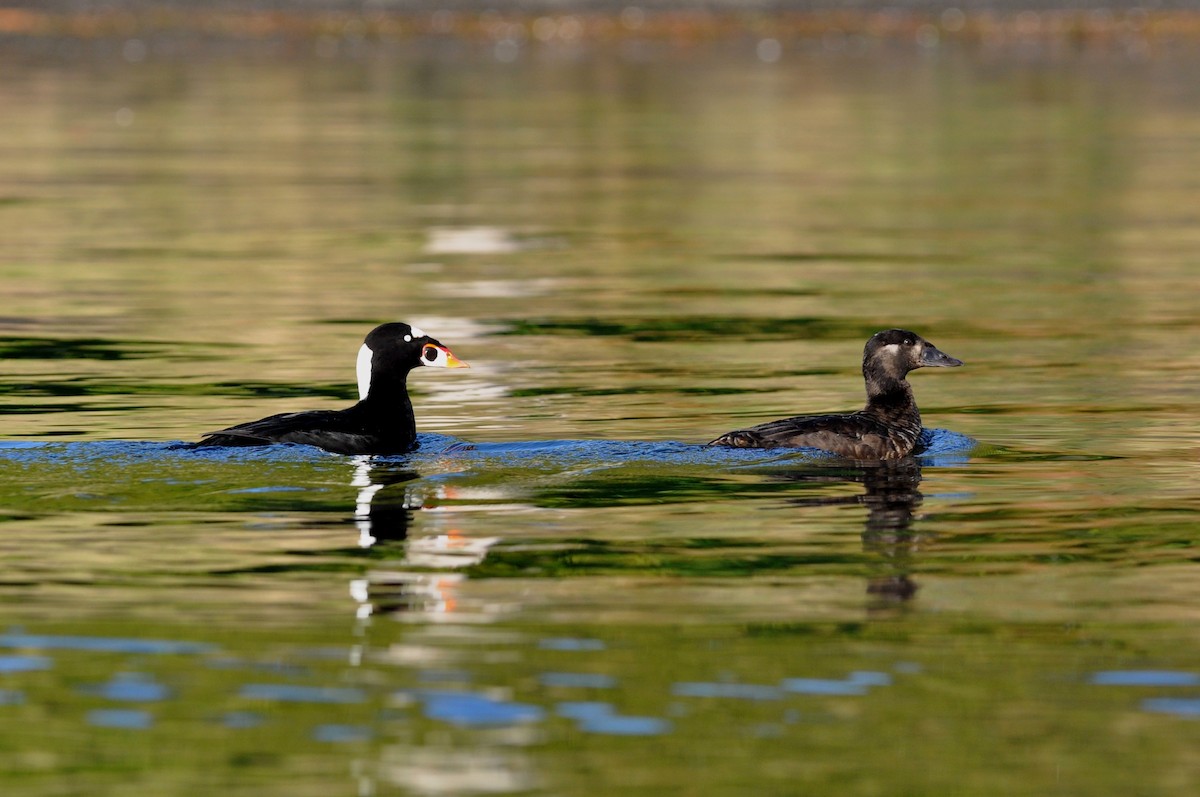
x,y
887,428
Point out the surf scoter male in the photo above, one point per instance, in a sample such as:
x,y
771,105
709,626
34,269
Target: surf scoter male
x,y
887,428
382,420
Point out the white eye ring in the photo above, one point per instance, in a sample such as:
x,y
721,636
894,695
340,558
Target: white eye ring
x,y
439,357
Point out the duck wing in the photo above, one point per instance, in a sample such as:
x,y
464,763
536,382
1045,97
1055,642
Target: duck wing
x,y
331,430
854,435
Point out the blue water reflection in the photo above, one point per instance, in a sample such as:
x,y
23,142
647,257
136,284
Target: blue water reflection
x,y
602,718
10,664
870,678
940,447
473,710
278,488
585,680
567,643
277,667
291,693
133,687
624,725
581,710
1180,706
15,639
823,686
857,683
728,690
445,676
11,697
1146,678
129,719
341,733
239,720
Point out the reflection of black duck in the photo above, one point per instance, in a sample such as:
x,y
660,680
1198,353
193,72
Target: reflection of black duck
x,y
381,515
889,427
380,423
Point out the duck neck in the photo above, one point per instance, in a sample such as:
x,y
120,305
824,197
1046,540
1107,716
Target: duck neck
x,y
388,403
890,398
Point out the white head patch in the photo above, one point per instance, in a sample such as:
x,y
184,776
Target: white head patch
x,y
364,371
418,332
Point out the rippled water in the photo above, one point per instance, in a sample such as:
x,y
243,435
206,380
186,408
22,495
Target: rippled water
x,y
562,592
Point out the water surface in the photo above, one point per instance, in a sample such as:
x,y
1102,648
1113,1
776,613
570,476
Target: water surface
x,y
561,592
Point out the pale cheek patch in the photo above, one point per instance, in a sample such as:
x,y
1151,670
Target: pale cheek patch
x,y
892,348
364,371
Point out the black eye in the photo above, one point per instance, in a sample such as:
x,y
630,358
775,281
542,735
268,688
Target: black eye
x,y
430,353
908,342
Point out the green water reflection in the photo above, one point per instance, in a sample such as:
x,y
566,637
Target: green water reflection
x,y
644,253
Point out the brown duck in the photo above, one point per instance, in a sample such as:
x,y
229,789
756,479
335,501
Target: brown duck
x,y
889,427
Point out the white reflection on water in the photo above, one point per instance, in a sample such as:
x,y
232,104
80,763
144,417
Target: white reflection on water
x,y
449,550
452,329
480,384
444,393
362,506
470,241
498,289
400,589
490,764
440,769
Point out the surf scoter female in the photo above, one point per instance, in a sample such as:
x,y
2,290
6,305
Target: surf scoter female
x,y
380,423
887,428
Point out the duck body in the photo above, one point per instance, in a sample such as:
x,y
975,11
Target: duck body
x,y
351,431
888,428
382,422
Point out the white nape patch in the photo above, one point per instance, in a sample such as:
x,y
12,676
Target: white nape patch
x,y
418,332
364,371
408,338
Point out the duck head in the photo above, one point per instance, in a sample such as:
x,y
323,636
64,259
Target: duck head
x,y
391,350
894,352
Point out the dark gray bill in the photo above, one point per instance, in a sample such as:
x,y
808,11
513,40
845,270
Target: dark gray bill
x,y
931,356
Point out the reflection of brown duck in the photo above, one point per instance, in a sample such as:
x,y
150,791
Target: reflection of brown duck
x,y
891,499
887,428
